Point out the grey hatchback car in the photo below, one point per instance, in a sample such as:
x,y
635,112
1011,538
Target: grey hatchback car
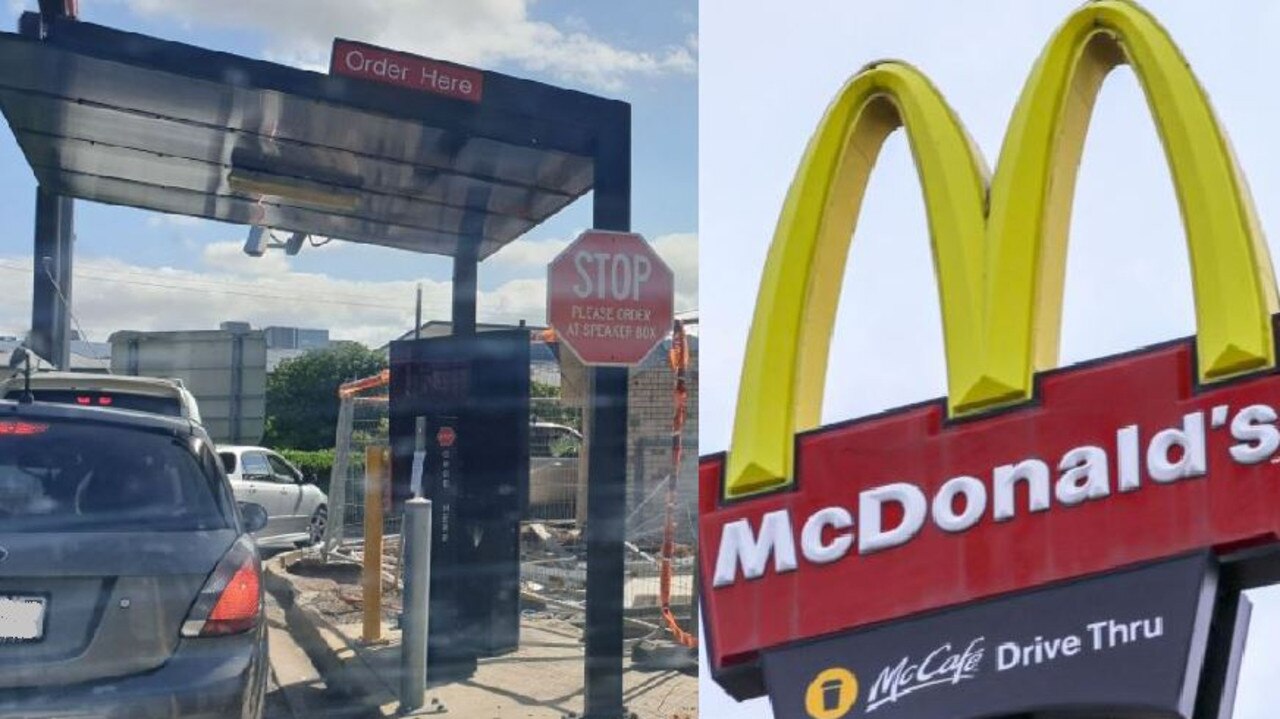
x,y
129,586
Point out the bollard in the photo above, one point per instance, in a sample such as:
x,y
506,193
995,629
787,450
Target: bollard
x,y
416,538
377,469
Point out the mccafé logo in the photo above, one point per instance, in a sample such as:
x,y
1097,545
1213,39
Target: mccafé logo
x,y
1026,474
945,665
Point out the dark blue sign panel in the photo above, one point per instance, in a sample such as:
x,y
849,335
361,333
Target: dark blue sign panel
x,y
459,431
1126,644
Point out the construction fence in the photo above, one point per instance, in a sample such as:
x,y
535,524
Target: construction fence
x,y
661,493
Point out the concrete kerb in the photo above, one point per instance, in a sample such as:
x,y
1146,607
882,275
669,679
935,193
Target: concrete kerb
x,y
340,664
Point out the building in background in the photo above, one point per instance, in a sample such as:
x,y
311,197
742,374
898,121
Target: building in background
x,y
225,369
92,357
285,343
295,338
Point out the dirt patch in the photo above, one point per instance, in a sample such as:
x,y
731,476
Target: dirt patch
x,y
335,588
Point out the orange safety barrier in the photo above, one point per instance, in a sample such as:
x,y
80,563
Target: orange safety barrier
x,y
378,380
678,357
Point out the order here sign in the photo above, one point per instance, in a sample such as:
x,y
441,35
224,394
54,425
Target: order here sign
x,y
370,62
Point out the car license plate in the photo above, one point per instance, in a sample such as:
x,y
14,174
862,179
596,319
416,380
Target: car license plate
x,y
21,619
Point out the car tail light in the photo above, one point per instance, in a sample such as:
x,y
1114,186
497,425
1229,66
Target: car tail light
x,y
102,400
231,600
22,429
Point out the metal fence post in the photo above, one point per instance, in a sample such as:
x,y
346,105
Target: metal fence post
x,y
416,538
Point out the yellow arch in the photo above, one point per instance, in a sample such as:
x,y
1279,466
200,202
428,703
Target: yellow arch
x,y
1034,187
1000,278
786,362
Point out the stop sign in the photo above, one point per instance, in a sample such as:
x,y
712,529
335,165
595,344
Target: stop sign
x,y
609,298
445,437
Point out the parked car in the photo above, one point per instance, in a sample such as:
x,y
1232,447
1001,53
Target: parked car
x,y
553,470
129,585
144,394
297,509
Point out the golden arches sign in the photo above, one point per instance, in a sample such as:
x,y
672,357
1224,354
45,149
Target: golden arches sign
x,y
999,244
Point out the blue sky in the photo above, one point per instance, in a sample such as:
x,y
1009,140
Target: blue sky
x,y
645,53
766,76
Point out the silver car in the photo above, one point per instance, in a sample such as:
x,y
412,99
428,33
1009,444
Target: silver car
x,y
553,470
129,586
297,510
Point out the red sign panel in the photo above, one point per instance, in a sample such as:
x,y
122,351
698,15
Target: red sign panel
x,y
369,62
610,298
1118,462
445,436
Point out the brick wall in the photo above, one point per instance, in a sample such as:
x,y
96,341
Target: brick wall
x,y
650,411
651,408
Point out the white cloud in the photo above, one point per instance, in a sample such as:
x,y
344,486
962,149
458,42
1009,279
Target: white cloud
x,y
527,255
679,250
110,295
230,257
478,32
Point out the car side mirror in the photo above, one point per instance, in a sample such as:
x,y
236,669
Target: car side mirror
x,y
309,478
254,516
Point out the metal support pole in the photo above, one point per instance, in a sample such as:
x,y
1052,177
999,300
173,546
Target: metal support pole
x,y
466,261
377,466
1227,636
607,458
51,280
416,538
465,266
606,531
417,314
237,390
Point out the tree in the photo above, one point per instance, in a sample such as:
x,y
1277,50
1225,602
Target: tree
x,y
302,394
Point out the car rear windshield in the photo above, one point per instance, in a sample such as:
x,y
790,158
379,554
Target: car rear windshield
x,y
63,476
169,406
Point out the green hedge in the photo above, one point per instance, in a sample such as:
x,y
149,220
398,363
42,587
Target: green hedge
x,y
318,463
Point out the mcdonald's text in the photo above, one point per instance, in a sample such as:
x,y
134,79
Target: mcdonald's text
x,y
1117,462
1083,474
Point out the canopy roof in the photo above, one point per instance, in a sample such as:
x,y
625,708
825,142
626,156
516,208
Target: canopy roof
x,y
127,119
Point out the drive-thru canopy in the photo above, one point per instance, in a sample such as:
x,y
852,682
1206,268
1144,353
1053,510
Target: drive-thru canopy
x,y
127,119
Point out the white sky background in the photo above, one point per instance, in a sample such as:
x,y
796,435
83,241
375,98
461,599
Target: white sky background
x,y
767,72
